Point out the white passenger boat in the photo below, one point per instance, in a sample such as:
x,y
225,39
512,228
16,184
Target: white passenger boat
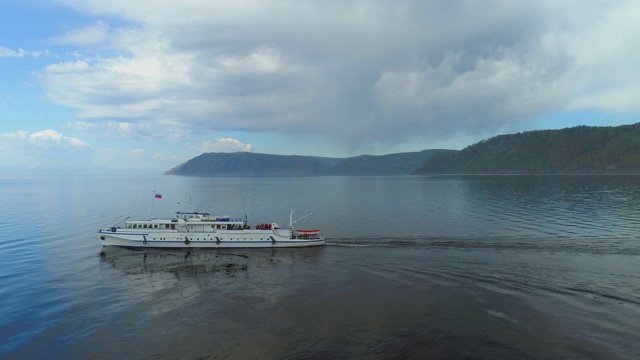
x,y
202,230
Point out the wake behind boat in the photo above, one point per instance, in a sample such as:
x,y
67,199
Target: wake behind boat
x,y
202,230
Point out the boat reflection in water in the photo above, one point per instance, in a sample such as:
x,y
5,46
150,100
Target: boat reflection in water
x,y
192,263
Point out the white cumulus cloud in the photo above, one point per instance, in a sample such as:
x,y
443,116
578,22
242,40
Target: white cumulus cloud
x,y
44,139
137,152
223,145
94,34
7,52
44,148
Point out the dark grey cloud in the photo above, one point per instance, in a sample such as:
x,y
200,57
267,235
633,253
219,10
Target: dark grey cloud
x,y
356,72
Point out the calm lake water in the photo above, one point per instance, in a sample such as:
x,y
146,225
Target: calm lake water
x,y
415,267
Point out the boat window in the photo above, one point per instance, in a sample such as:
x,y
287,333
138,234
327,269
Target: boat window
x,y
155,226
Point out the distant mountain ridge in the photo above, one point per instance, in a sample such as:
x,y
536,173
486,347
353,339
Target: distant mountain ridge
x,y
577,150
256,164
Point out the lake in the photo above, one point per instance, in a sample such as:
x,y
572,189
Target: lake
x,y
414,267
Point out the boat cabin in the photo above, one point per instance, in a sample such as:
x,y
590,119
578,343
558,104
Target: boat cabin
x,y
191,222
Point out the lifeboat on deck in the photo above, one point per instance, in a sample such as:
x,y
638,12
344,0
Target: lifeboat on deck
x,y
307,234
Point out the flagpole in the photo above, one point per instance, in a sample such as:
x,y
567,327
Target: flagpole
x,y
156,195
153,201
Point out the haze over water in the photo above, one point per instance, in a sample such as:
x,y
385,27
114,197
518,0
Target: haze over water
x,y
414,267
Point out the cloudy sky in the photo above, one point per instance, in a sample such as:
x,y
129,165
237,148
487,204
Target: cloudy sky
x,y
96,86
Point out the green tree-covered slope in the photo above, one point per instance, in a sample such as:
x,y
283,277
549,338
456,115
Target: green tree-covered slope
x,y
575,150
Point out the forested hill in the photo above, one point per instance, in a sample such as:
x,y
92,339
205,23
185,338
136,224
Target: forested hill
x,y
578,150
254,164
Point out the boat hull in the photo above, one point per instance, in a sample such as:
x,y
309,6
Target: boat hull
x,y
229,239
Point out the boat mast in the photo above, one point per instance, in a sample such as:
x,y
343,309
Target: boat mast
x,y
293,222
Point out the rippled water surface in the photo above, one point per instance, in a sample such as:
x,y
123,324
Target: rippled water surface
x,y
415,267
